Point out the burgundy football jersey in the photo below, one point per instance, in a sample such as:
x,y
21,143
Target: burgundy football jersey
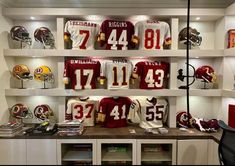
x,y
115,110
152,74
82,73
117,34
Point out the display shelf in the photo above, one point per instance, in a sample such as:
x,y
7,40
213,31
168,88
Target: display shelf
x,y
229,93
229,52
117,156
156,156
50,13
110,53
78,156
105,92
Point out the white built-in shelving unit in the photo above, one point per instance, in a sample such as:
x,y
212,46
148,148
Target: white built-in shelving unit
x,y
213,26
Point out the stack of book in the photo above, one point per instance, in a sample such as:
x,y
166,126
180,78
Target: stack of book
x,y
10,129
70,128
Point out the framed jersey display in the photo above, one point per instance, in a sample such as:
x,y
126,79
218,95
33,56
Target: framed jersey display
x,y
152,35
153,74
117,72
81,73
82,33
116,35
149,113
81,109
115,111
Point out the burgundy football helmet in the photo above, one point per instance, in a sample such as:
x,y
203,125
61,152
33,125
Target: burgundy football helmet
x,y
20,111
43,112
44,35
194,37
182,119
19,33
207,126
206,73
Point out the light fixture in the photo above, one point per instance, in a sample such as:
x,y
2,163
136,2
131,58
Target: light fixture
x,y
32,18
198,18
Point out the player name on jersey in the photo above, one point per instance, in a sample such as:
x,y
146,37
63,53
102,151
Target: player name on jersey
x,y
115,111
83,74
82,33
152,74
117,72
149,114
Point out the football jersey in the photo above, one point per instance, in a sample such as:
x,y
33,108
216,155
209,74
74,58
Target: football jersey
x,y
118,34
152,74
115,111
152,34
82,73
81,110
117,73
82,33
148,114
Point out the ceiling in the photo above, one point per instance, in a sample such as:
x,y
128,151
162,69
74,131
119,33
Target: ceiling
x,y
115,3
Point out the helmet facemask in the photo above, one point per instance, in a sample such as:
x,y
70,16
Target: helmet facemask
x,y
48,40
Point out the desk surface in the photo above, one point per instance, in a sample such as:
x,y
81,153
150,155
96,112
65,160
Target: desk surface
x,y
98,132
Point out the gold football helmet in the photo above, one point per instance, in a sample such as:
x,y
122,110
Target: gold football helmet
x,y
43,73
21,72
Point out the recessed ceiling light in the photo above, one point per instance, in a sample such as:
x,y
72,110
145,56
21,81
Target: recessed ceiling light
x,y
198,18
32,18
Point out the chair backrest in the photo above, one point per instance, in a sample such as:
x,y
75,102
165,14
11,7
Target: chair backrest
x,y
227,145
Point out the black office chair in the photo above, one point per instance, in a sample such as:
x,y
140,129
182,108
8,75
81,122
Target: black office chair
x,y
227,145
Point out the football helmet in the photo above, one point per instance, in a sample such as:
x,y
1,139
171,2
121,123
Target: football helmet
x,y
43,112
206,73
21,72
194,37
182,119
204,125
20,111
43,73
19,33
44,35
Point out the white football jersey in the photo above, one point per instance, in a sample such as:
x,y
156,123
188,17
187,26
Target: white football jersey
x,y
82,110
152,34
117,73
82,33
147,114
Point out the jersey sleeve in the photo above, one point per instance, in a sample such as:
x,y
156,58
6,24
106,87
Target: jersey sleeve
x,y
102,110
137,69
103,106
167,37
66,72
102,37
68,113
166,69
98,70
66,28
102,72
136,29
134,116
165,115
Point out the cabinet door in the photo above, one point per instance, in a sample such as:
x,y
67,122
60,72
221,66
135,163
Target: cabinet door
x,y
12,152
41,152
192,152
213,158
156,152
116,152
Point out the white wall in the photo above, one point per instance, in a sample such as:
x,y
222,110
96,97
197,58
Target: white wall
x,y
5,26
